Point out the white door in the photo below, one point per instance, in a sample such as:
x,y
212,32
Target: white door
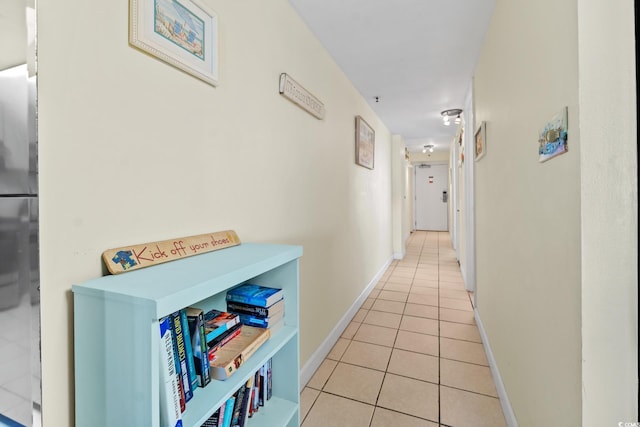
x,y
432,187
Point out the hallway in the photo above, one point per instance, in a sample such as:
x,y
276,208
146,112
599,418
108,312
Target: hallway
x,y
412,355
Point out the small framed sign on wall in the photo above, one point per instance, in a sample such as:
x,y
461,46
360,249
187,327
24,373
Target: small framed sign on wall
x,y
365,143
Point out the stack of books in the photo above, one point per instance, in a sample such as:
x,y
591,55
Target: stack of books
x,y
229,342
258,306
197,346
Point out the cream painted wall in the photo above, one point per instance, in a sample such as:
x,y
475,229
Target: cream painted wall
x,y
133,150
528,213
436,156
609,192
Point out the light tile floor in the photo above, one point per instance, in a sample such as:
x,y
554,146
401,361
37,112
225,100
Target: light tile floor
x,y
412,355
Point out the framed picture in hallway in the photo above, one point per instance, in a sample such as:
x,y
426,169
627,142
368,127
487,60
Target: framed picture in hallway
x,y
552,138
182,34
480,141
365,143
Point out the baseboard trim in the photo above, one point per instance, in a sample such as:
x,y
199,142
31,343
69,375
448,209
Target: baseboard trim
x,y
509,415
314,362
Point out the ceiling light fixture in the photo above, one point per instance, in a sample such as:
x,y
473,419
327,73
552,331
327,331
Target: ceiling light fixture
x,y
428,147
447,114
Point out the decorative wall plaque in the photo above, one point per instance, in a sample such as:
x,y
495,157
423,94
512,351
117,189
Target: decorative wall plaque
x,y
133,257
295,93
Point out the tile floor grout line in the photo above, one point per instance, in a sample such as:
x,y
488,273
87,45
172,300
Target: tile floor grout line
x,y
439,346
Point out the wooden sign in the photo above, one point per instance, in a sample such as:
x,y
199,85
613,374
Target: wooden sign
x,y
133,257
295,93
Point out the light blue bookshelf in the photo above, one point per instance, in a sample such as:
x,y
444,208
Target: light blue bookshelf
x,y
116,336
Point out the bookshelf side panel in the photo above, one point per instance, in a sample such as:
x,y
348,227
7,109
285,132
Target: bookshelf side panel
x,y
116,362
286,372
285,276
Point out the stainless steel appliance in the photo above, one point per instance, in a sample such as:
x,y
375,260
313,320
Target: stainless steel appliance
x,y
19,272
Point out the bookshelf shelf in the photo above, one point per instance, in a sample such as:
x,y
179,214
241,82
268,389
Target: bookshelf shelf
x,y
116,336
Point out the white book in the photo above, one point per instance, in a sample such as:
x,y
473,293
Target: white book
x,y
170,414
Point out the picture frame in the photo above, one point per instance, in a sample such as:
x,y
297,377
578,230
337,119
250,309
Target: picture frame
x,y
182,34
552,137
480,141
365,143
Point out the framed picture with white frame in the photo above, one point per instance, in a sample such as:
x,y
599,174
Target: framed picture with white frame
x,y
183,34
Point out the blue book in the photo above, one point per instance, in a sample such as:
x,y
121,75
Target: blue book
x,y
176,332
191,366
255,295
217,322
228,411
260,322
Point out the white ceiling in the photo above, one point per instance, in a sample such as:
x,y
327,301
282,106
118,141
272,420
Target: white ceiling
x,y
417,56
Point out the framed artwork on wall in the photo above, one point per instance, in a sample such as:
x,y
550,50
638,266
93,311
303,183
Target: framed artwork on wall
x,y
480,141
182,34
365,143
552,138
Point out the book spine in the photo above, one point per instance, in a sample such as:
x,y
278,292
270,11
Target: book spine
x,y
199,346
269,385
261,390
219,330
182,355
256,391
216,345
188,345
228,411
246,403
170,413
247,309
213,420
254,321
206,374
260,302
235,419
221,410
176,360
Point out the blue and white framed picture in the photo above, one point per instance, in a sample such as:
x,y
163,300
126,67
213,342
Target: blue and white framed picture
x,y
181,33
552,139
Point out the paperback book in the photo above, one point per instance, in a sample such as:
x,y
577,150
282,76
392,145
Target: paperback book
x,y
170,411
231,356
217,322
269,382
228,412
213,420
255,295
247,402
178,335
195,317
261,322
188,345
220,341
255,310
